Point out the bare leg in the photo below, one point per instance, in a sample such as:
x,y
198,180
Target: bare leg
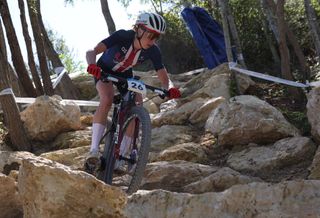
x,y
105,91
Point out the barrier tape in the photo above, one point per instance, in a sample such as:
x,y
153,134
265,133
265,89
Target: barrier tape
x,y
23,100
232,66
58,79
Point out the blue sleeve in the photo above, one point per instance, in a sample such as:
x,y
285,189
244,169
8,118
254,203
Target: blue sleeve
x,y
117,37
156,58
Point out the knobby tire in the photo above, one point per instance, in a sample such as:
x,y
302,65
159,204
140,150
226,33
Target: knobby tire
x,y
143,152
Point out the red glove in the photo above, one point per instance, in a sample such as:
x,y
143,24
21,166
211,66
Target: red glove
x,y
94,70
174,93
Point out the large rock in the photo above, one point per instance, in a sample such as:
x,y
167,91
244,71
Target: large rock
x,y
283,153
287,199
174,175
178,116
86,86
48,116
221,180
246,119
10,160
315,166
200,115
49,189
72,139
10,204
191,152
73,157
212,84
151,107
313,110
173,135
193,88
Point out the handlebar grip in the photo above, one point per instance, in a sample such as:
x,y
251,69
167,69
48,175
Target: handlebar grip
x,y
166,94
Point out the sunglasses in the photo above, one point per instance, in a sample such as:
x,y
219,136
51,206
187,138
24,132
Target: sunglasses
x,y
150,35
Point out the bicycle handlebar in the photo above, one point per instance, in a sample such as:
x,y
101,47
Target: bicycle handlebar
x,y
117,79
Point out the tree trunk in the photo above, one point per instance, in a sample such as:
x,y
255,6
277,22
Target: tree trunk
x,y
12,75
270,15
226,32
65,88
16,56
107,16
49,49
48,89
15,83
227,41
271,21
313,25
294,42
283,48
27,38
272,47
10,109
235,36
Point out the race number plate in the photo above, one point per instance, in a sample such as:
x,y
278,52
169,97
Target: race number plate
x,y
137,86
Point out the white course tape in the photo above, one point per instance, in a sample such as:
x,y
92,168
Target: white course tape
x,y
7,91
64,101
23,100
57,80
232,66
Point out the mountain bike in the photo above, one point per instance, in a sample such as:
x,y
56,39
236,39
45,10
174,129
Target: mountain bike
x,y
128,118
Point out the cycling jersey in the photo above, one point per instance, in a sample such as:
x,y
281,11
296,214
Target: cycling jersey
x,y
120,56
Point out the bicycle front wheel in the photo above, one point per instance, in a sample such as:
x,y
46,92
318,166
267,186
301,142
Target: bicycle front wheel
x,y
137,125
108,159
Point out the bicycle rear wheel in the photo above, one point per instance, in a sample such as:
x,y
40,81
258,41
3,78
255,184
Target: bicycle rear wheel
x,y
139,150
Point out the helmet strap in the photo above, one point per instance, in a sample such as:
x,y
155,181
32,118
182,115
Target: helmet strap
x,y
139,39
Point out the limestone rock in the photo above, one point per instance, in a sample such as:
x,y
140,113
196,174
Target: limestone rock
x,y
49,189
10,204
72,139
178,116
191,152
174,175
221,180
287,199
11,160
170,135
47,117
151,106
283,153
313,110
73,157
246,119
200,115
315,166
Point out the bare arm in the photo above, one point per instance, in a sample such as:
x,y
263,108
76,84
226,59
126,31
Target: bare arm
x,y
92,54
164,79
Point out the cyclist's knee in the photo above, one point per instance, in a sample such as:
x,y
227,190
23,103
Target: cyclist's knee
x,y
139,100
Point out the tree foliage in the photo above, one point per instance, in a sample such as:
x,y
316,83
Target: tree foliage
x,y
249,21
65,53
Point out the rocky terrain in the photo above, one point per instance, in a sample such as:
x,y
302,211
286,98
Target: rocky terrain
x,y
212,155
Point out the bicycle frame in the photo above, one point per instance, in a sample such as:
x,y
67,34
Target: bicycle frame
x,y
123,104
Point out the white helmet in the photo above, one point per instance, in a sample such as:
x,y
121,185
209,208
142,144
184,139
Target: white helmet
x,y
153,22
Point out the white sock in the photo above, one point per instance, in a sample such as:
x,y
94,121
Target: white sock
x,y
97,132
125,145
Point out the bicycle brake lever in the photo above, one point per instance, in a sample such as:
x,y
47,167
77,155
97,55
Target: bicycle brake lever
x,y
165,94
